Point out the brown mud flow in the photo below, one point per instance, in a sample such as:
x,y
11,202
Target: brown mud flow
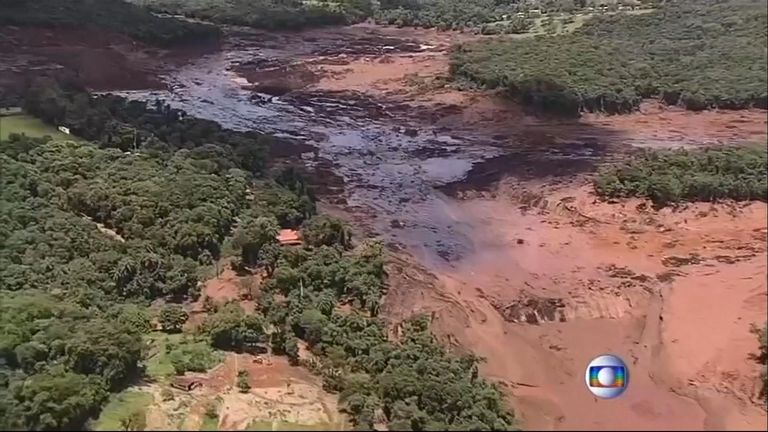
x,y
494,233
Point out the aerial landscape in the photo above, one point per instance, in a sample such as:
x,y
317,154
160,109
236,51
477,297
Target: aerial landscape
x,y
383,214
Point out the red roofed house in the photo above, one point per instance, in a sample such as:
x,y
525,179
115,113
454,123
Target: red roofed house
x,y
289,237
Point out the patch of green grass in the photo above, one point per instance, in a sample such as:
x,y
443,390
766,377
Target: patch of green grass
x,y
169,352
210,424
158,363
121,406
30,126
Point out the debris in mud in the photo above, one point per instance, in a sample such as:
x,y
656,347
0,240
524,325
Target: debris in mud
x,y
668,276
532,309
368,45
678,261
394,223
620,272
274,77
732,259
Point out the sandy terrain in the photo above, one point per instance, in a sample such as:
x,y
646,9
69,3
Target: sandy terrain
x,y
553,286
280,394
558,277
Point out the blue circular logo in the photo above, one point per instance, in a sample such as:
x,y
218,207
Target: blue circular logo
x,y
607,376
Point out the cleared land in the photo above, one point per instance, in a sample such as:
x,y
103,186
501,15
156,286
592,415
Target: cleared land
x,y
120,407
30,126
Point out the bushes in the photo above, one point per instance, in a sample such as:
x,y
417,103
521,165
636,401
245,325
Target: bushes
x,y
412,384
191,356
86,225
696,54
762,357
671,176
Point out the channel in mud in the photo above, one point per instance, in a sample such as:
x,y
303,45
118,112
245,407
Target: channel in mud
x,y
395,165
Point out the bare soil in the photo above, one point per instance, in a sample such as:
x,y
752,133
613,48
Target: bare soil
x,y
558,276
280,393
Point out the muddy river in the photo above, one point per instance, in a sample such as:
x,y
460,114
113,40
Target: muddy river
x,y
478,265
391,159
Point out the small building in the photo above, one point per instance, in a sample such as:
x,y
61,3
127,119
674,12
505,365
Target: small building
x,y
186,383
64,129
289,237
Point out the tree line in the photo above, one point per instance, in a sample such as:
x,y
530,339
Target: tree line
x,y
671,176
267,14
92,232
700,55
106,15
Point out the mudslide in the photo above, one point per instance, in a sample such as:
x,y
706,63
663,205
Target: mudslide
x,y
495,233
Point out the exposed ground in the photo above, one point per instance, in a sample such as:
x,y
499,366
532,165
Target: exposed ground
x,y
552,276
30,126
281,397
558,277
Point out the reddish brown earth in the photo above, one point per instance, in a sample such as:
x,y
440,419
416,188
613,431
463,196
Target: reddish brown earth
x,y
558,277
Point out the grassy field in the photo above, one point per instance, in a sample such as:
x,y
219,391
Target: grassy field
x,y
158,364
31,126
119,407
209,424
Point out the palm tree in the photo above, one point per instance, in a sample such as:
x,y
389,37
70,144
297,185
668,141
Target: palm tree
x,y
124,271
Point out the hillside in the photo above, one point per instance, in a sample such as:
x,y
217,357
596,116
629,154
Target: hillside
x,y
113,15
94,232
708,54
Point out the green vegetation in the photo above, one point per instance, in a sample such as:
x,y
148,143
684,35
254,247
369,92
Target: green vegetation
x,y
211,417
191,355
113,15
671,176
267,14
450,14
29,126
242,381
124,409
172,318
493,16
210,423
167,189
157,363
700,55
762,357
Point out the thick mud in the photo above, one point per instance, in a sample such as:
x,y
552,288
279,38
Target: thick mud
x,y
492,230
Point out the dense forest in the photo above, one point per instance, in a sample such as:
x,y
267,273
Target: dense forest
x,y
93,231
113,15
266,14
672,176
700,55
